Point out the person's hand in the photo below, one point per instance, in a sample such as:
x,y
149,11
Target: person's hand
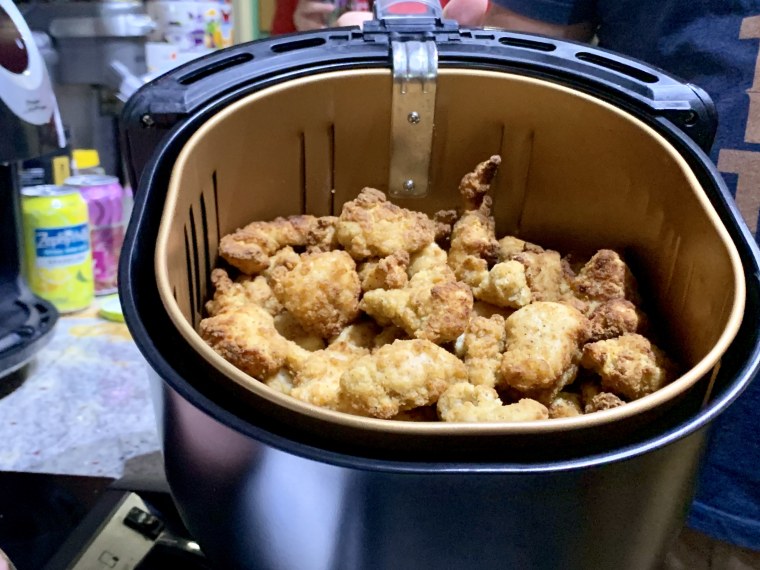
x,y
466,12
353,19
312,14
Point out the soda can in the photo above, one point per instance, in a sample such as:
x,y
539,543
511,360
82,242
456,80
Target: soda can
x,y
58,260
105,203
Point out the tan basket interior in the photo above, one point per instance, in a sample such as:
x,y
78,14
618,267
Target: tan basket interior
x,y
577,173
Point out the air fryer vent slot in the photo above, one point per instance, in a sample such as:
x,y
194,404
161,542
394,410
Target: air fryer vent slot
x,y
618,66
528,44
215,67
293,45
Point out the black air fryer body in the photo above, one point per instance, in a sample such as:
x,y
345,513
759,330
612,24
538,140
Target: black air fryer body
x,y
259,491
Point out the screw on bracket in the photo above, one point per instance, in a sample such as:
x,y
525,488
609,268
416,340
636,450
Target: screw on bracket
x,y
413,117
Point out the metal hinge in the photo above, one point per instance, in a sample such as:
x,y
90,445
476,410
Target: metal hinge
x,y
415,72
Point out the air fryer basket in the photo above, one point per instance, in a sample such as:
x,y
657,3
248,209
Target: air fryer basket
x,y
598,151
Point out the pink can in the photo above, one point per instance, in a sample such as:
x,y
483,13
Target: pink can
x,y
105,204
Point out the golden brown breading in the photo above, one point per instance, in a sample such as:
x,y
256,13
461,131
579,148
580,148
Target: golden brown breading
x,y
475,185
482,345
431,258
371,226
285,257
473,240
605,277
317,380
242,291
505,285
615,318
509,246
602,401
249,248
566,405
629,365
400,376
246,337
324,236
543,348
386,273
432,306
543,273
321,291
464,402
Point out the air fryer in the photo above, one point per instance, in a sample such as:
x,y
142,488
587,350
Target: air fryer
x,y
599,151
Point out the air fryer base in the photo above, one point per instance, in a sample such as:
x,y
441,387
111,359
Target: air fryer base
x,y
276,510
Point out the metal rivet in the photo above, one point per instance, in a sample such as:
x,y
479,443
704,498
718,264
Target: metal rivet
x,y
409,185
413,117
147,121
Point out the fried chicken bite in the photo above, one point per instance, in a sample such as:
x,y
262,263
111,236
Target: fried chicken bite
x,y
463,402
371,226
566,405
615,318
481,347
473,240
248,248
244,290
321,291
509,246
605,277
629,365
386,273
543,274
505,285
245,336
431,258
433,306
317,380
475,185
400,376
602,401
543,347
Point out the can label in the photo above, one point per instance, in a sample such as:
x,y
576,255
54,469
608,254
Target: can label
x,y
106,245
105,203
58,260
61,247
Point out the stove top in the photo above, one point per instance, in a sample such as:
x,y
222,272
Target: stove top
x,y
59,522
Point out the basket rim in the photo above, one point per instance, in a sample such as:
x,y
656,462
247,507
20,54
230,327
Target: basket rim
x,y
709,364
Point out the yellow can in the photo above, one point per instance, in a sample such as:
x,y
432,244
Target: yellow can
x,y
58,260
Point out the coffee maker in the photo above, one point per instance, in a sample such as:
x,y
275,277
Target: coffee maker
x,y
30,127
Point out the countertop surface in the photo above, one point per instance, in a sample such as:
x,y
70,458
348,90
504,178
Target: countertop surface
x,y
82,406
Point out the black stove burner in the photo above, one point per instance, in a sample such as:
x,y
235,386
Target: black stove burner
x,y
58,522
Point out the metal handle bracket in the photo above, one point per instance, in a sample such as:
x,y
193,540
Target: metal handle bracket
x,y
415,71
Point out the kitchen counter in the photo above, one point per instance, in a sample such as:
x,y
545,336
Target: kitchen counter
x,y
82,406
